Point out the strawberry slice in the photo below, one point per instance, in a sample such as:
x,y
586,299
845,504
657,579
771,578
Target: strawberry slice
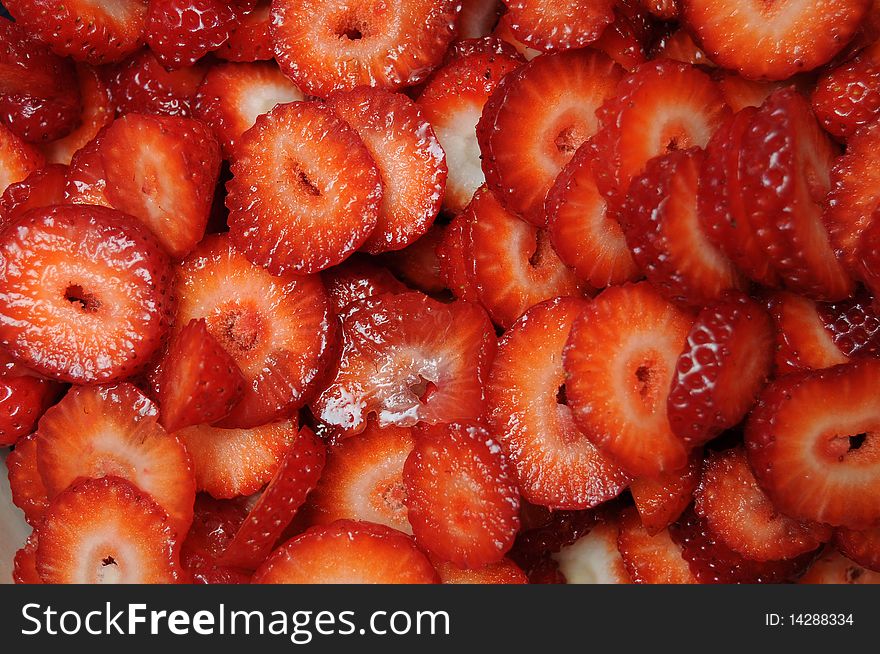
x,y
651,557
296,476
556,465
853,324
85,294
504,32
277,329
24,566
42,188
535,121
863,547
848,96
504,571
725,364
105,531
417,264
453,256
738,512
452,101
679,45
461,500
740,92
249,39
143,85
348,552
181,32
594,557
407,359
770,41
232,96
200,382
293,208
551,25
28,491
363,479
660,501
23,400
411,162
665,9
94,32
478,18
628,39
113,430
214,525
358,278
663,231
811,447
329,47
619,362
833,568
18,159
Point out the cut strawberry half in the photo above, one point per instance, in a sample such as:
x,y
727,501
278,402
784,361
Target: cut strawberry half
x,y
853,324
232,96
277,329
42,188
812,444
478,18
23,400
143,85
28,491
461,499
651,557
453,252
619,362
296,476
363,479
771,41
249,39
848,96
411,163
348,552
24,565
105,531
417,264
725,364
660,501
407,359
504,571
18,159
552,25
85,294
556,465
200,382
594,558
662,226
802,342
452,101
863,547
833,568
181,32
535,121
214,525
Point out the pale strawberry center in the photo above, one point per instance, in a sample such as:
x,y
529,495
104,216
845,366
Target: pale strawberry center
x,y
239,330
855,448
389,498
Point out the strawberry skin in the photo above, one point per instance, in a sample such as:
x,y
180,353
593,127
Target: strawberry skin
x,y
660,501
28,491
181,32
23,400
18,159
142,85
249,39
848,96
42,188
551,25
24,570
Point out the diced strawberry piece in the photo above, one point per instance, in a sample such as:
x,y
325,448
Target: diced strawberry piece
x,y
296,476
594,557
214,525
17,158
833,568
665,9
854,324
453,256
504,571
24,570
181,32
552,25
411,162
28,491
863,547
329,47
619,361
452,101
42,188
277,329
802,342
478,18
725,364
94,32
407,359
363,479
23,400
535,121
763,41
740,92
105,531
348,552
660,501
417,264
848,96
85,294
200,382
357,279
651,557
504,32
249,39
113,430
143,85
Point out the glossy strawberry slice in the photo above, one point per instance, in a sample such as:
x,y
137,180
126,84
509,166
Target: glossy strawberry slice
x,y
740,92
679,45
42,188
417,264
143,85
453,252
214,525
23,400
18,159
504,32
358,279
628,39
651,557
660,501
833,568
504,571
863,547
802,341
249,39
478,18
848,96
558,24
181,32
24,566
28,491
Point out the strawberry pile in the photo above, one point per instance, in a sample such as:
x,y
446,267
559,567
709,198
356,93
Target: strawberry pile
x,y
442,292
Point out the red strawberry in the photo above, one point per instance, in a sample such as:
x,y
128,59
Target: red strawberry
x,y
478,18
17,158
461,500
293,208
200,382
834,568
802,342
848,96
249,39
453,252
594,558
411,162
853,324
651,557
556,465
679,45
545,535
504,32
363,479
407,359
626,40
296,476
358,279
536,119
181,32
214,525
665,9
23,400
760,41
452,101
25,563
143,85
740,92
28,491
724,365
551,25
160,169
619,362
504,571
660,501
94,32
85,294
863,547
417,264
348,552
42,188
329,47
105,531
277,329
869,259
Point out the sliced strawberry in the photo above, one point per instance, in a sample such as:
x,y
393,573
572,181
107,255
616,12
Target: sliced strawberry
x,y
679,45
411,162
28,491
357,279
23,400
761,40
453,255
665,9
811,444
660,501
833,568
848,96
181,32
249,39
24,566
214,525
802,342
200,381
504,32
85,293
535,121
651,557
295,477
42,188
17,158
504,571
559,24
143,85
594,557
105,531
277,329
853,324
478,18
725,364
417,264
555,464
94,32
619,362
363,479
628,38
452,101
740,92
348,552
407,359
863,547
